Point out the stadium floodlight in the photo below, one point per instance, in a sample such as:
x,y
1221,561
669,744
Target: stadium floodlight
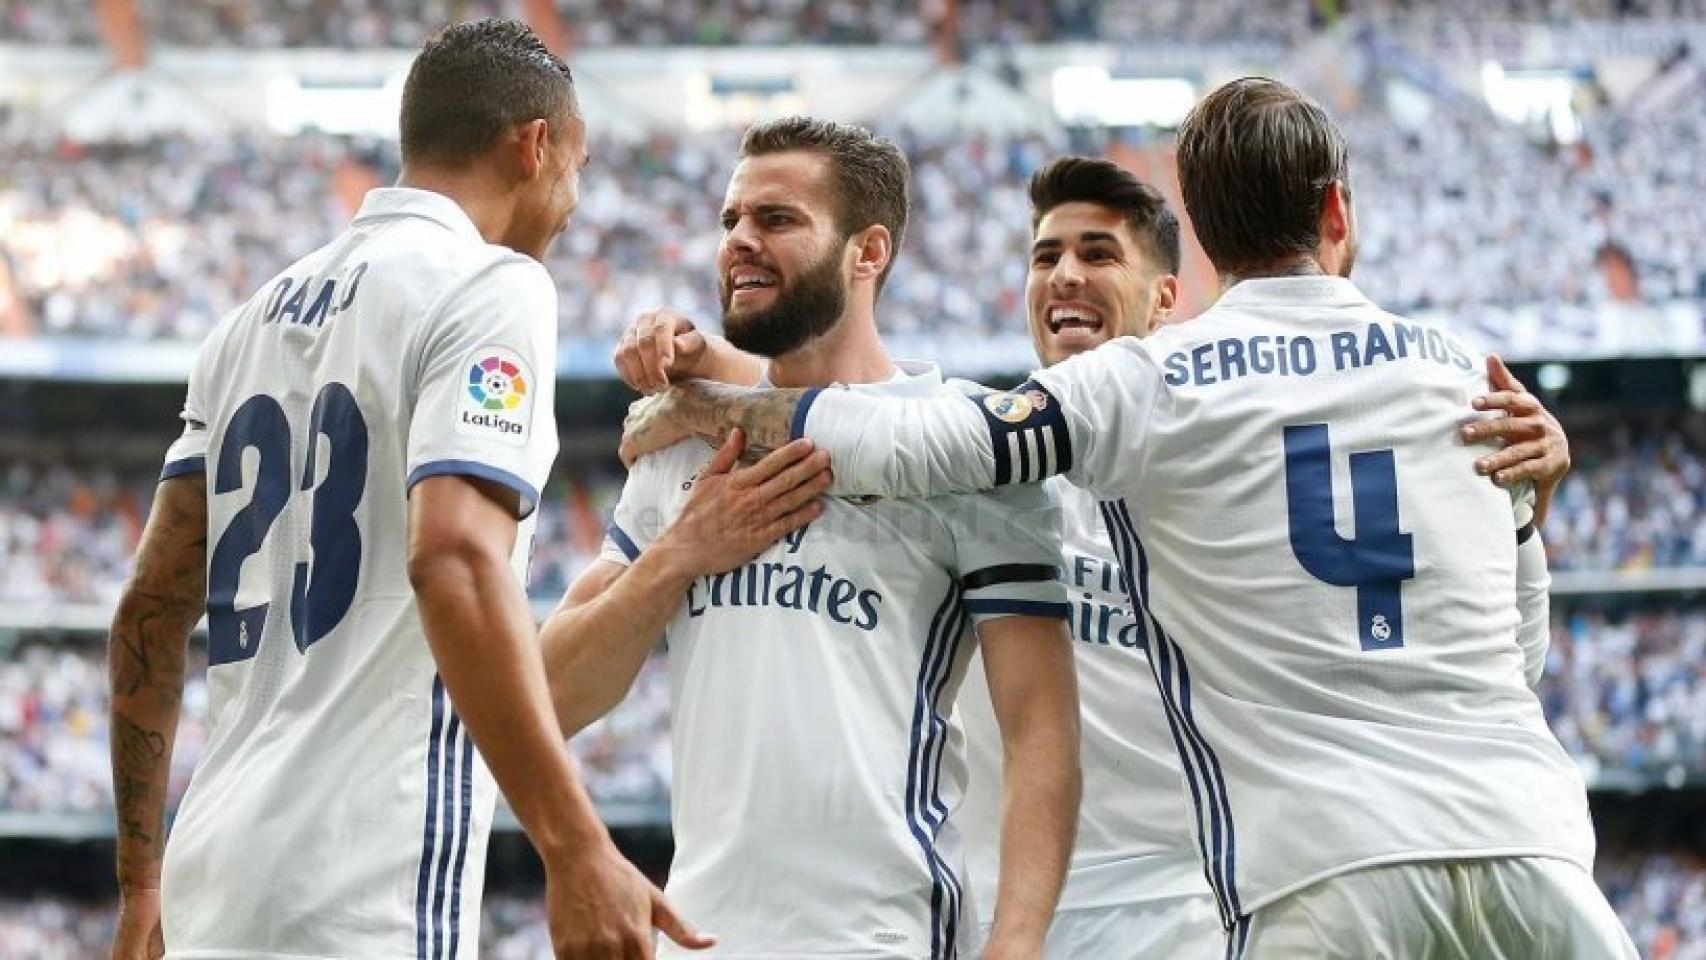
x,y
1087,94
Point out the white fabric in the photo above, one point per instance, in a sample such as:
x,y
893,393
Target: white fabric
x,y
1525,908
817,771
1176,928
339,808
1324,726
1135,843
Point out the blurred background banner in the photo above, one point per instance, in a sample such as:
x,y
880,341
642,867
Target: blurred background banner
x,y
1529,172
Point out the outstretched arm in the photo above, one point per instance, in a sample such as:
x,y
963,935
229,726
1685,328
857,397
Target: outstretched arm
x,y
165,597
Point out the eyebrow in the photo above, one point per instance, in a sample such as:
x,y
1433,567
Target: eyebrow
x,y
766,208
1089,236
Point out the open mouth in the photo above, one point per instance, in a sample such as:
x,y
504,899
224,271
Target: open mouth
x,y
1063,318
748,279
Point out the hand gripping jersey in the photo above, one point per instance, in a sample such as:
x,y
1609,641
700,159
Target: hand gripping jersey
x,y
1135,843
339,809
1330,589
817,769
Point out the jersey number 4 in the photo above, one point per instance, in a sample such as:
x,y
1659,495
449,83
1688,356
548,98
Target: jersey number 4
x,y
321,591
1379,559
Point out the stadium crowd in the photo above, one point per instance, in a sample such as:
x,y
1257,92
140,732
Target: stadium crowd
x,y
157,240
351,24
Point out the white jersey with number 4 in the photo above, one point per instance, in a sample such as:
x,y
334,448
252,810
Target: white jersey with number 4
x,y
340,809
817,768
1329,586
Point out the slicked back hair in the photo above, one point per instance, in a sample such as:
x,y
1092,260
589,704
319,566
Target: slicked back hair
x,y
1256,159
474,81
1107,184
868,173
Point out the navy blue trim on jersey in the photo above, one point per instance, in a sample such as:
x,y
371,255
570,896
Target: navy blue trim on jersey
x,y
1217,840
1009,573
1027,433
925,812
1000,606
484,471
797,426
429,833
465,781
448,816
623,542
1238,938
178,468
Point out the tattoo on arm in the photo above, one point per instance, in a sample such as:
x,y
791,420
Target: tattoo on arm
x,y
766,416
150,633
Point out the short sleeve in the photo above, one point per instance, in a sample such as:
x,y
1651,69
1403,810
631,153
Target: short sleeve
x,y
638,514
1105,397
188,453
484,389
1007,549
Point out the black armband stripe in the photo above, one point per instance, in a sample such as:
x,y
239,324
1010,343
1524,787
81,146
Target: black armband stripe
x,y
1009,573
1524,532
1027,433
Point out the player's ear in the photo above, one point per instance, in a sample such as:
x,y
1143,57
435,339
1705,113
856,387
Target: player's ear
x,y
1336,213
1165,290
532,147
875,246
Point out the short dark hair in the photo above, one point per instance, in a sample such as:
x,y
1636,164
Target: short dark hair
x,y
1107,184
868,173
474,81
1256,159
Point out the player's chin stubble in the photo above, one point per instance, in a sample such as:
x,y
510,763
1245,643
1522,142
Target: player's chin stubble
x,y
804,310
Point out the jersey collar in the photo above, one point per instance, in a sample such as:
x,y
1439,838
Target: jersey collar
x,y
1322,290
386,202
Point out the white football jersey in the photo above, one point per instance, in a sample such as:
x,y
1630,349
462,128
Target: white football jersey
x,y
816,767
339,808
1135,842
1330,589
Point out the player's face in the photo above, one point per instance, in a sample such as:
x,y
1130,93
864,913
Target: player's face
x,y
1090,281
783,266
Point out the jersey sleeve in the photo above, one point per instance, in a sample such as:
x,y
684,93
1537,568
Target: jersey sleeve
x,y
485,383
1534,606
638,518
188,453
1007,548
1084,418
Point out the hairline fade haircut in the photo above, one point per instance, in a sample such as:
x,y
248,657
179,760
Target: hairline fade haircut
x,y
1107,184
1256,159
869,175
474,81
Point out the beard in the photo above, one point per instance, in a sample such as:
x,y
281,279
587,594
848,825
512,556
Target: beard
x,y
806,308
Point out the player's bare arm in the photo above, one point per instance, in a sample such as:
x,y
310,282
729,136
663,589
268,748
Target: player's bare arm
x,y
597,640
150,632
461,533
1033,687
664,347
1535,447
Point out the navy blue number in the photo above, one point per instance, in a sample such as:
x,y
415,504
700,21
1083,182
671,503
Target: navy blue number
x,y
321,594
1381,557
258,424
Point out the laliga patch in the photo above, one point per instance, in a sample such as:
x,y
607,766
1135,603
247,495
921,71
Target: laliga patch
x,y
497,397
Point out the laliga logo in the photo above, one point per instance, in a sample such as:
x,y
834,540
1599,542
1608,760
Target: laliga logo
x,y
496,384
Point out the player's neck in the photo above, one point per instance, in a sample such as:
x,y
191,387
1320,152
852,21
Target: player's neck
x,y
489,209
1298,266
850,353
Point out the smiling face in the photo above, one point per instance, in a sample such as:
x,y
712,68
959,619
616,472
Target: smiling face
x,y
784,265
1090,281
